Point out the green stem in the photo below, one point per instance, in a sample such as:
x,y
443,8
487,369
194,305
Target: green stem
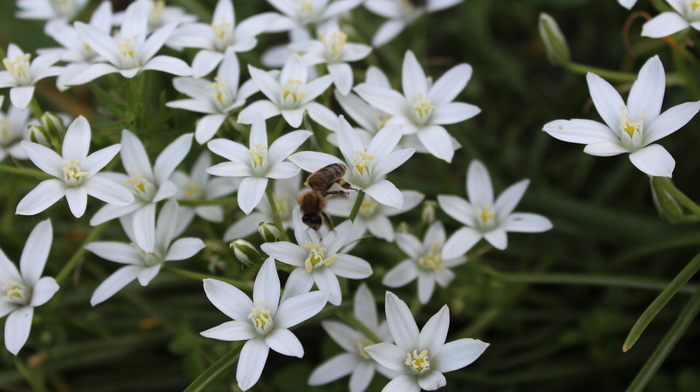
x,y
78,255
39,175
215,371
667,344
616,75
350,318
358,204
275,212
35,108
243,285
278,128
36,381
655,307
668,185
224,201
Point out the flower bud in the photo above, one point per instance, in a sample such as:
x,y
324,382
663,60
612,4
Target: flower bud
x,y
554,41
666,205
269,231
428,211
245,252
403,227
49,133
38,135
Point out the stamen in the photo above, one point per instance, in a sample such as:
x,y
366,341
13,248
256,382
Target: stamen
x,y
361,162
418,363
258,154
317,257
423,107
261,318
72,173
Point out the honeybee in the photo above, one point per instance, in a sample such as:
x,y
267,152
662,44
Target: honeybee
x,y
313,203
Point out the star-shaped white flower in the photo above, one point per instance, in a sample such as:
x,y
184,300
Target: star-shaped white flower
x,y
484,218
369,118
140,264
216,99
421,357
666,23
220,36
149,185
318,259
425,262
160,15
301,13
630,128
52,10
424,107
76,174
367,167
131,51
331,48
355,360
256,163
401,13
13,129
372,216
291,96
21,291
263,321
21,74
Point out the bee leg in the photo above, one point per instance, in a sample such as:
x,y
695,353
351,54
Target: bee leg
x,y
328,219
345,184
338,192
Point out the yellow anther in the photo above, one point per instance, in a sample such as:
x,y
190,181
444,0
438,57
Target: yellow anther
x,y
418,363
694,4
192,190
220,89
630,127
361,162
368,207
221,29
317,257
485,212
12,289
292,90
433,258
361,343
258,154
18,67
72,171
335,41
423,107
128,48
261,317
157,9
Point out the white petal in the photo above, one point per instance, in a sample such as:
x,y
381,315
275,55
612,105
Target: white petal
x,y
171,157
44,158
90,73
432,381
382,98
134,157
43,290
387,31
76,142
294,117
351,267
361,376
321,115
364,307
479,186
266,108
184,248
267,286
207,127
664,24
460,242
244,227
389,355
526,223
21,96
384,142
115,251
497,237
168,64
114,283
285,145
381,227
401,323
286,252
251,363
506,202
77,200
144,226
434,333
454,112
450,84
46,194
231,331
458,354
342,77
299,308
392,161
230,300
670,121
17,328
606,100
413,78
426,286
147,274
284,342
654,160
299,282
250,193
410,245
386,193
605,149
108,191
437,141
333,369
96,161
580,131
327,282
457,208
312,161
267,83
647,92
36,252
401,274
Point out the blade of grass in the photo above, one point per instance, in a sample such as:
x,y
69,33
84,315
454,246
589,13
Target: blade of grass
x,y
215,371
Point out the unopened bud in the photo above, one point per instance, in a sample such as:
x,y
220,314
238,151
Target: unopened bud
x,y
666,205
403,227
38,135
49,132
428,211
554,41
269,231
245,252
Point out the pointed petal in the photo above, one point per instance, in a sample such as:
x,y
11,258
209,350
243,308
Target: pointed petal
x,y
437,141
434,333
230,300
134,157
184,248
46,194
339,366
114,283
208,126
342,77
402,274
664,24
21,96
458,354
286,252
648,90
171,157
670,121
312,161
453,112
351,267
251,192
321,115
460,242
497,237
526,223
580,131
115,251
231,331
17,328
286,145
251,363
77,200
605,149
382,98
401,323
364,307
506,202
390,355
44,158
392,161
457,208
43,290
77,140
386,193
108,191
654,160
266,108
267,83
327,282
36,252
413,78
168,64
299,308
387,31
284,342
144,227
426,286
267,286
606,100
450,84
432,381
479,188
96,161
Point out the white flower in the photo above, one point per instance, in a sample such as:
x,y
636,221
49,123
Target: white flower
x,y
75,49
21,74
13,129
627,3
367,167
424,107
369,118
221,35
332,49
131,51
630,128
256,163
63,10
666,23
216,99
285,193
372,216
160,15
22,291
76,174
425,262
421,357
290,96
149,185
484,218
401,13
355,360
141,264
263,321
199,186
317,259
300,13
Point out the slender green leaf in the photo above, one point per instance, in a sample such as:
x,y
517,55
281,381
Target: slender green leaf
x,y
214,371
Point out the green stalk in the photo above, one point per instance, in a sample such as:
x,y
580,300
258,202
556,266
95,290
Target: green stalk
x,y
667,344
35,380
223,201
35,108
655,307
679,196
358,204
616,75
275,212
39,175
278,128
350,318
215,371
78,255
243,285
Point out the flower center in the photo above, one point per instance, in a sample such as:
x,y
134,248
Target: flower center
x,y
418,363
362,343
293,92
192,190
317,257
222,32
19,68
128,49
141,187
150,259
72,174
282,201
632,134
13,291
220,92
258,155
368,207
486,216
382,118
432,259
260,316
423,108
361,162
306,9
333,43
